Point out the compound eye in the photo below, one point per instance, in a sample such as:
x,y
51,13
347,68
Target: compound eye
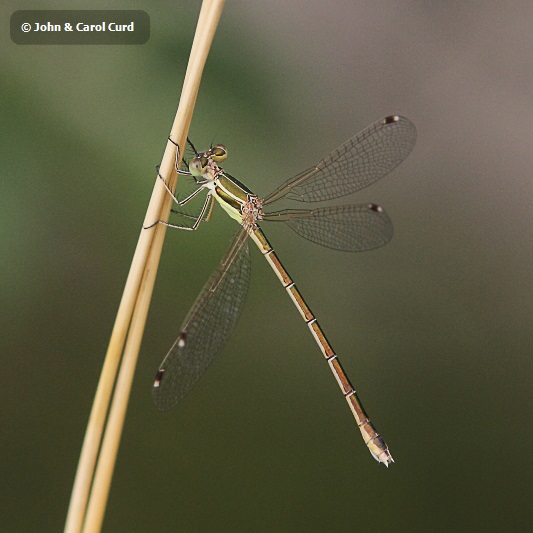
x,y
198,166
219,153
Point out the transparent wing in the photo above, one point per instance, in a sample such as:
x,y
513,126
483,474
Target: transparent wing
x,y
359,162
207,327
350,228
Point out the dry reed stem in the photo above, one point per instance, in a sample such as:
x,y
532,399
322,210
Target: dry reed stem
x,y
137,294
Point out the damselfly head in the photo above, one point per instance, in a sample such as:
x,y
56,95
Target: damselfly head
x,y
200,164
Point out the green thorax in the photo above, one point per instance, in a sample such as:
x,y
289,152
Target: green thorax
x,y
231,194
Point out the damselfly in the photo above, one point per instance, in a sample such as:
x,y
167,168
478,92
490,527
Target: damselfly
x,y
357,163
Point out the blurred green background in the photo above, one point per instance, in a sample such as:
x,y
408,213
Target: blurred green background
x,y
435,329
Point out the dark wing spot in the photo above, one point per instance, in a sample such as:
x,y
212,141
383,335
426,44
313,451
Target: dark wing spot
x,y
375,207
391,119
159,377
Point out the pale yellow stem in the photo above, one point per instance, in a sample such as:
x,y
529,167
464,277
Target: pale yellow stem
x,y
134,308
